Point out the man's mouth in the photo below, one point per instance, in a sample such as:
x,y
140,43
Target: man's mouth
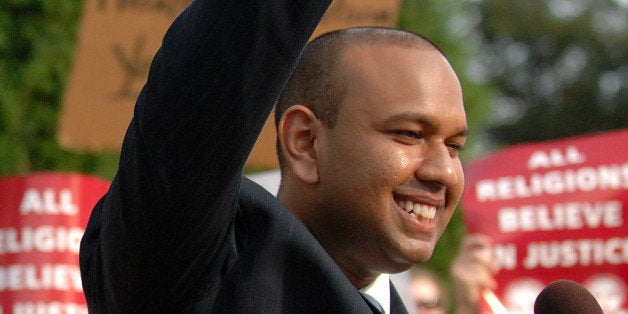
x,y
425,213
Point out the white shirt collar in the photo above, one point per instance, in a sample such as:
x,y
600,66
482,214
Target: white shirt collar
x,y
380,290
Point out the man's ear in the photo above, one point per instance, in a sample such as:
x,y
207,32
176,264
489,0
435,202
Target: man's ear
x,y
297,131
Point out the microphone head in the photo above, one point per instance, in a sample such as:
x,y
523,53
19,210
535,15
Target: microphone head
x,y
565,296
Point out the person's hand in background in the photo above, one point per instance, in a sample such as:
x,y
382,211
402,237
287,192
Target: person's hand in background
x,y
472,272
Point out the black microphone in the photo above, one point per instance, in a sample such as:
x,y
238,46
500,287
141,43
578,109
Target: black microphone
x,y
565,296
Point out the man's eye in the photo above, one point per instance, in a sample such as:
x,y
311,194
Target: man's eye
x,y
454,149
407,137
410,134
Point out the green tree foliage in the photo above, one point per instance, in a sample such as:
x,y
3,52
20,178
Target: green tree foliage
x,y
37,39
559,65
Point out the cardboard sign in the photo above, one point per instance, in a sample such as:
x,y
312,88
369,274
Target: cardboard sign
x,y
116,44
42,220
555,210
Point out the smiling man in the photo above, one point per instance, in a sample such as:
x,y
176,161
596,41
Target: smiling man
x,y
369,123
370,157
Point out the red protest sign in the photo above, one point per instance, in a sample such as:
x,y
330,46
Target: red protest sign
x,y
42,220
555,210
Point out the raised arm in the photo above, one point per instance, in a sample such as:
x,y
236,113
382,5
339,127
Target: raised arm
x,y
161,237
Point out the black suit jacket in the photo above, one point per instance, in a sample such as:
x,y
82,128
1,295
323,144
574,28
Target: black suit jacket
x,y
180,230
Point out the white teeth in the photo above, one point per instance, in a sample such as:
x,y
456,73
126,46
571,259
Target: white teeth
x,y
428,212
402,204
418,210
408,206
424,211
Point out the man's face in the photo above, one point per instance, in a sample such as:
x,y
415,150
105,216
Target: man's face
x,y
393,149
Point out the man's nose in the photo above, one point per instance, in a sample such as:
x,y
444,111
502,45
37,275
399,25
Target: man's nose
x,y
437,165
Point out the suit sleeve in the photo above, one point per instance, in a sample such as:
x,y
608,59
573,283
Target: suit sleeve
x,y
161,237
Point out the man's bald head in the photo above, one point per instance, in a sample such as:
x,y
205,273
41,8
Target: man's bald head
x,y
319,82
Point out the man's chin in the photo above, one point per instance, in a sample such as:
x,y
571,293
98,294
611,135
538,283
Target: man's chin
x,y
410,259
421,254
